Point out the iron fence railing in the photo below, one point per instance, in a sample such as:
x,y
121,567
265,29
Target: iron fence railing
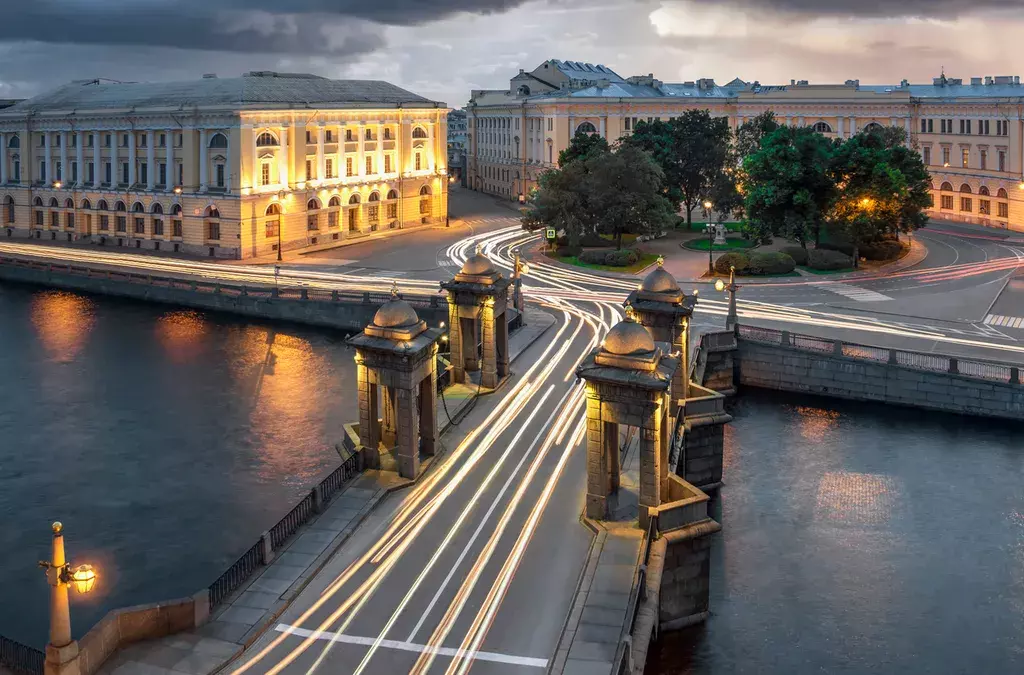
x,y
237,574
20,659
971,368
637,596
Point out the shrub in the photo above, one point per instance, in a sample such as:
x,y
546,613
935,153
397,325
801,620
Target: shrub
x,y
587,240
885,249
621,258
841,246
593,257
733,258
797,253
824,259
771,263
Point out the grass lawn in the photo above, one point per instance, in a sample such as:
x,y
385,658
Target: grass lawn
x,y
730,245
842,271
645,260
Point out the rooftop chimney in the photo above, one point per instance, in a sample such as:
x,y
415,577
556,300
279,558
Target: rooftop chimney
x,y
209,76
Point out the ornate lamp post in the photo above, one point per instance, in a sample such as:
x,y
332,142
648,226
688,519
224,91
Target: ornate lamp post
x,y
731,319
520,268
447,203
62,651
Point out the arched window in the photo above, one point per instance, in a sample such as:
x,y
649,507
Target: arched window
x,y
1002,194
37,202
15,142
335,201
176,210
273,210
9,208
266,139
374,197
425,190
523,90
157,208
873,127
313,205
53,203
119,206
586,128
392,194
946,187
823,127
419,132
69,204
965,189
272,228
102,205
211,212
86,204
218,140
983,191
354,199
137,207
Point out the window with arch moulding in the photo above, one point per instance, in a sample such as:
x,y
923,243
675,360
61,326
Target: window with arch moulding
x,y
266,139
218,140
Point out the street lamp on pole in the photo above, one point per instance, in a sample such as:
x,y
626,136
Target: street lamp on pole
x,y
520,268
731,319
710,228
62,651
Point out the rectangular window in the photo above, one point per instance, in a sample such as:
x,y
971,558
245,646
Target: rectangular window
x,y
59,172
270,230
550,121
42,140
424,206
309,170
69,220
162,175
965,204
628,120
927,155
1002,160
942,126
106,140
213,230
963,125
158,227
387,163
144,173
74,172
91,172
1004,210
419,161
181,174
74,140
309,138
392,211
90,140
39,218
968,126
220,175
175,228
143,140
54,219
121,223
983,157
947,202
332,219
369,166
124,173
265,173
124,140
348,135
387,133
329,168
986,131
945,156
348,166
374,212
329,136
17,170
56,139
42,171
984,207
965,157
104,222
140,226
313,221
924,126
163,140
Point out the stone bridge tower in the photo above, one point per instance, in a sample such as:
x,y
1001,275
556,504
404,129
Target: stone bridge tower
x,y
478,323
628,379
396,362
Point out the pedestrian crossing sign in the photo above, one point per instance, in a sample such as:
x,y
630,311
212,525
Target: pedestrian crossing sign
x,y
550,234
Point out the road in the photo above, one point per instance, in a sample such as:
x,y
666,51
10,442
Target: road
x,y
475,567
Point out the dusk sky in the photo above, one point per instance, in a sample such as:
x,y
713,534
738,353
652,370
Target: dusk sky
x,y
444,48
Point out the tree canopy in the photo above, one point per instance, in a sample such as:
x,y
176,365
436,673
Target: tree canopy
x,y
582,146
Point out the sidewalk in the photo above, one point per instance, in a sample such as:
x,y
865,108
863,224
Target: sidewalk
x,y
257,604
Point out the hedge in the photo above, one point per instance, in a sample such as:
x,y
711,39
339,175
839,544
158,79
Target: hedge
x,y
770,263
824,259
886,249
622,258
733,258
797,253
842,247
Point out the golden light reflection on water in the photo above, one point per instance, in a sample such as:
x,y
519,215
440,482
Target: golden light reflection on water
x,y
850,498
182,335
63,321
816,423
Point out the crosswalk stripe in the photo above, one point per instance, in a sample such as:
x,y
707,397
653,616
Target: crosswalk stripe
x,y
852,292
1004,321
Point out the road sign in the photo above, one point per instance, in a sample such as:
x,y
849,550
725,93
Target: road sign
x,y
551,234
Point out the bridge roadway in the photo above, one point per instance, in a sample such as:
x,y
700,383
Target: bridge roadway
x,y
475,567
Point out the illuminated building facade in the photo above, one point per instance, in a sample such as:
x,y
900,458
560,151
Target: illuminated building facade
x,y
226,168
970,135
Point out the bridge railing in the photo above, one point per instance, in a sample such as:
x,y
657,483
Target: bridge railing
x,y
20,659
978,369
269,290
623,662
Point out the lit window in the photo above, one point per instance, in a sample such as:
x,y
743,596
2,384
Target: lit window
x,y
329,167
348,166
966,204
265,173
965,157
1004,210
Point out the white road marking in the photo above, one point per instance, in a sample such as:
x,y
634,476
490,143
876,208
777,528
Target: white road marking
x,y
387,273
852,292
412,647
1004,321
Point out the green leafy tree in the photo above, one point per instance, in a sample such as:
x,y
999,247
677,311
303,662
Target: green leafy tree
x,y
750,134
583,146
788,185
693,151
625,188
561,201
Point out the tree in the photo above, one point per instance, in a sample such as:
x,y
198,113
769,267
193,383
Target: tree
x,y
750,134
788,185
561,202
625,189
583,146
693,151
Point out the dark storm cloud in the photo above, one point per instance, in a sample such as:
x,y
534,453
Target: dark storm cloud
x,y
930,9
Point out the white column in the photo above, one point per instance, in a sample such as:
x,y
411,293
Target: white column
x,y
203,150
321,161
172,177
789,121
602,129
150,160
131,158
839,127
233,163
379,159
65,174
48,156
282,157
906,126
113,158
361,169
79,156
853,126
3,158
431,158
800,122
97,143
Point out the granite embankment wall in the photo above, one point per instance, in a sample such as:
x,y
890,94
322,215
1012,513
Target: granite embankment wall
x,y
347,311
800,363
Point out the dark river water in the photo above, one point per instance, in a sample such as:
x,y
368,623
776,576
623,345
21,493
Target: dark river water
x,y
165,440
862,539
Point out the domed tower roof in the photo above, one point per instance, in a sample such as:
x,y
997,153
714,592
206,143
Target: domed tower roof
x,y
396,313
477,265
660,281
627,338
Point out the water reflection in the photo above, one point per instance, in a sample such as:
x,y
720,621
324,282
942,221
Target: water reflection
x,y
182,334
62,321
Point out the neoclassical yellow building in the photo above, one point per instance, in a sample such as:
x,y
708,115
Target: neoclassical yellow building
x,y
969,134
228,168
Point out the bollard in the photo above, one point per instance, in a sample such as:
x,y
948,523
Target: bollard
x,y
1014,375
268,548
304,294
785,338
892,357
837,347
953,366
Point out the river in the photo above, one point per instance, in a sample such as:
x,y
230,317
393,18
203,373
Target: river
x,y
165,440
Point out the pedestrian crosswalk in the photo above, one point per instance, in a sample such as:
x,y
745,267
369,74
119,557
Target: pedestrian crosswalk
x,y
504,220
852,292
1005,321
